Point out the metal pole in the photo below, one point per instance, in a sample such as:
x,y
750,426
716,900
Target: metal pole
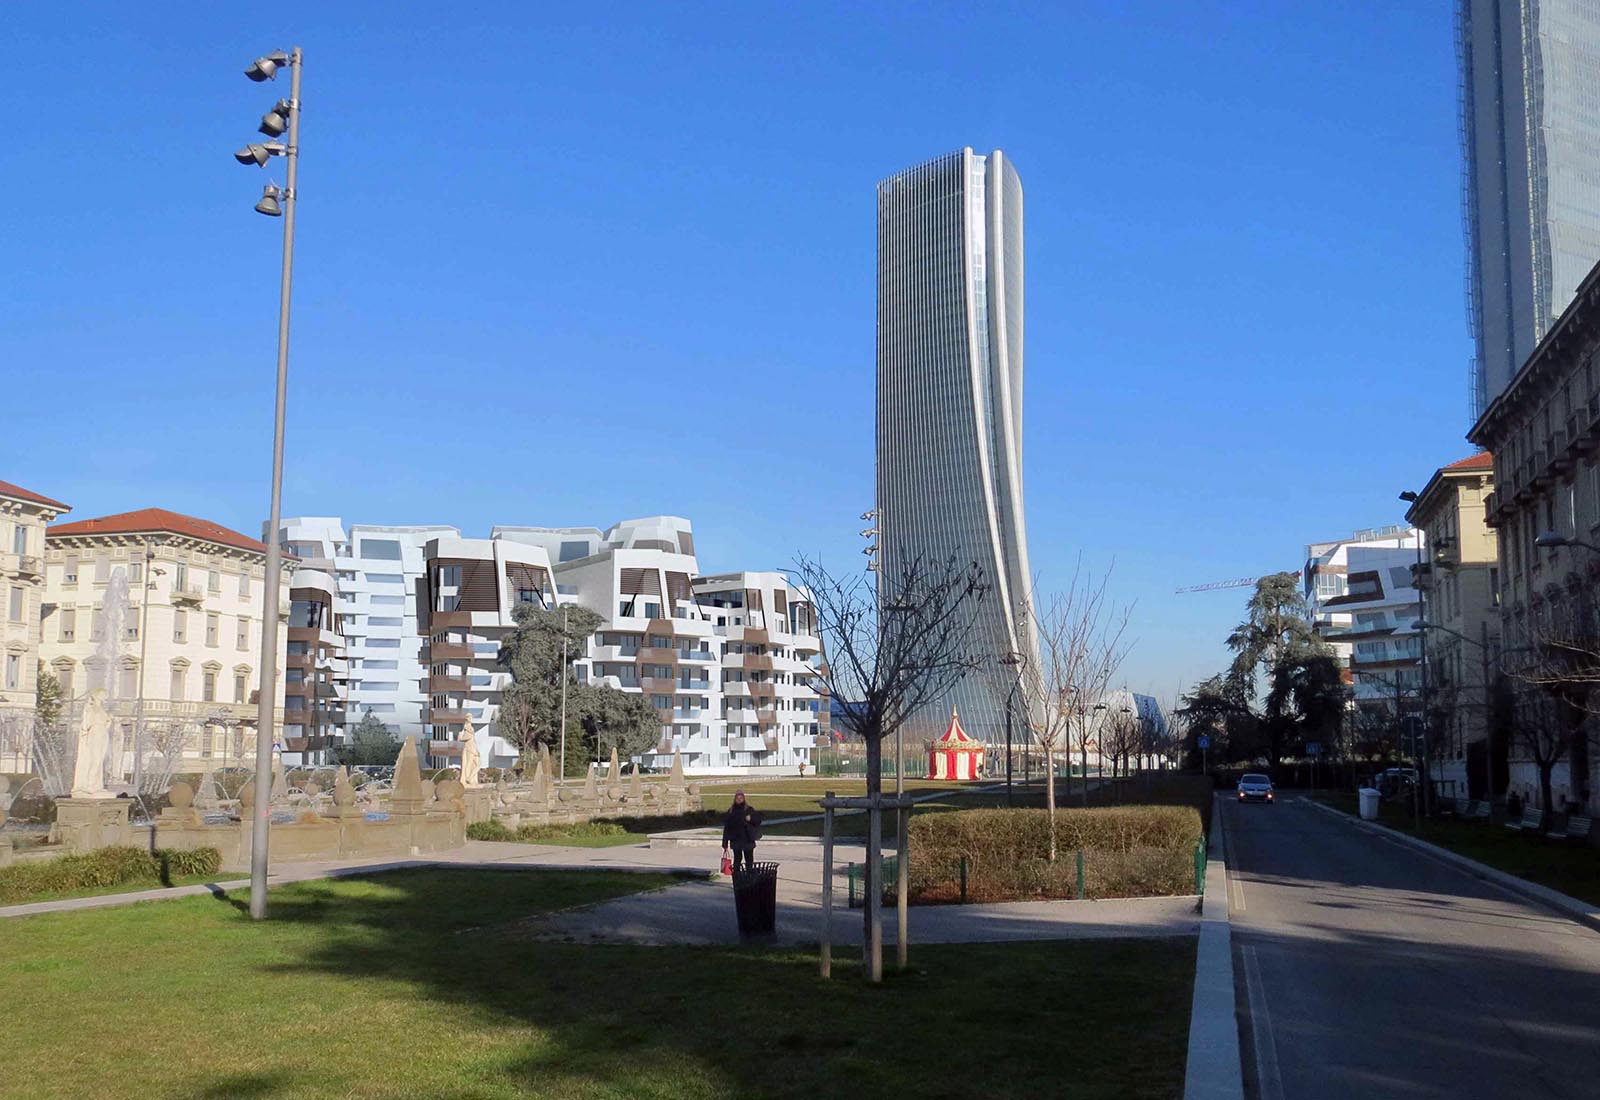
x,y
563,772
1488,714
1008,749
902,886
1421,794
266,709
827,884
874,882
147,581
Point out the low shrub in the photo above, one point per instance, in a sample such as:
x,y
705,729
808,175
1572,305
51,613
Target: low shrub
x,y
489,830
1128,851
533,834
103,867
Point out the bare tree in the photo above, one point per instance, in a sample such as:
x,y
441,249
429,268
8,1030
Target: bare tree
x,y
1080,649
896,642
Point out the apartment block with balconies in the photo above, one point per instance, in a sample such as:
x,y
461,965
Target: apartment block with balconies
x,y
24,516
470,589
771,708
1364,603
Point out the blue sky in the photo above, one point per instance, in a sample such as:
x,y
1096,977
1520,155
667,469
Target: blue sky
x,y
561,266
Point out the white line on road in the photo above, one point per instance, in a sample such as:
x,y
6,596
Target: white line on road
x,y
1268,1083
1238,890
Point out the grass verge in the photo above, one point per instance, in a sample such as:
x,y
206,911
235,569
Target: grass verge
x,y
414,984
1572,868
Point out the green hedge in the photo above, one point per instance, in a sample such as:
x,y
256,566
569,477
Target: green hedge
x,y
1128,851
532,834
104,867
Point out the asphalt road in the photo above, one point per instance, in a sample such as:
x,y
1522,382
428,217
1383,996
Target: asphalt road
x,y
1366,969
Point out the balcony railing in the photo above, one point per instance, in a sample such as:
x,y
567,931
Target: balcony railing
x,y
24,565
189,593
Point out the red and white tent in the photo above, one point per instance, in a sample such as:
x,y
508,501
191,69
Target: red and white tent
x,y
956,755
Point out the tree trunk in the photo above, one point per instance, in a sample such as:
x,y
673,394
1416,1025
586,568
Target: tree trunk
x,y
1545,797
1050,794
1083,761
871,928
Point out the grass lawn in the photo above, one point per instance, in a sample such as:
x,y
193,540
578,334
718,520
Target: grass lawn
x,y
417,983
1572,868
130,887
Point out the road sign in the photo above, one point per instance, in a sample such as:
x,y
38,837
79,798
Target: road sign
x,y
1313,748
1205,742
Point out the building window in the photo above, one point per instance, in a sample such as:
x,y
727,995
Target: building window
x,y
64,678
380,549
213,626
241,637
238,687
180,577
135,572
208,687
180,625
16,604
177,685
130,624
102,569
70,576
214,580
69,624
244,585
19,539
128,682
13,670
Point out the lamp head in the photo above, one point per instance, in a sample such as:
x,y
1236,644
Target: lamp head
x,y
265,68
259,154
269,201
1551,539
275,121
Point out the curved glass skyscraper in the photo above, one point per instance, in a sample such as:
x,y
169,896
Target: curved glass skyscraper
x,y
950,407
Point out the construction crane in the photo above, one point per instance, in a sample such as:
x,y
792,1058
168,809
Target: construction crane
x,y
1242,582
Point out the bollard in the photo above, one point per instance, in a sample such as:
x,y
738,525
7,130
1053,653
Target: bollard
x,y
1080,874
963,880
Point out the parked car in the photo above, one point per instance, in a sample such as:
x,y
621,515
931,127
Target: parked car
x,y
1254,787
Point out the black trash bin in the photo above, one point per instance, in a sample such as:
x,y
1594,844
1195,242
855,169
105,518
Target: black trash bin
x,y
755,898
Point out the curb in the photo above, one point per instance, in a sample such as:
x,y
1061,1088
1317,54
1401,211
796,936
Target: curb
x,y
1567,906
1214,1070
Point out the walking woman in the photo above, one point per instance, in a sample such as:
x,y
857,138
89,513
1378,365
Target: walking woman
x,y
741,828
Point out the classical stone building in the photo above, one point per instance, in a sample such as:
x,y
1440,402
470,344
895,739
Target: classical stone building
x,y
1459,582
164,611
24,515
1544,432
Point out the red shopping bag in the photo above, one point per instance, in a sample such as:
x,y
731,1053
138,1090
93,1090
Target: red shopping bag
x,y
727,865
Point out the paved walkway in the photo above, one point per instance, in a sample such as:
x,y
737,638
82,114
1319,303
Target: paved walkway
x,y
702,912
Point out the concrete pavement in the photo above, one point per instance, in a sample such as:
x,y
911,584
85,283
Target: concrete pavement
x,y
1368,968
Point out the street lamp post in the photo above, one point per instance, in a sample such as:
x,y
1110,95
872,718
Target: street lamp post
x,y
1011,660
275,202
1420,796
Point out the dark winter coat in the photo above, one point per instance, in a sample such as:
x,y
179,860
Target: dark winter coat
x,y
741,828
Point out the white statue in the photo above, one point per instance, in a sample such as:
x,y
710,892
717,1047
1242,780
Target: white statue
x,y
469,756
94,741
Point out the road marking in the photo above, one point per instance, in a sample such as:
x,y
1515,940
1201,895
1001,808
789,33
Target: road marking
x,y
1268,1082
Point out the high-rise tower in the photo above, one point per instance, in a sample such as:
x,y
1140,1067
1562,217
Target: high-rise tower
x,y
1530,132
950,407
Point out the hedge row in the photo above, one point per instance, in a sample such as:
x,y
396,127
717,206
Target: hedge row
x,y
1128,851
532,834
104,867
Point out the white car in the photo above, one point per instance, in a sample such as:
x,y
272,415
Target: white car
x,y
1255,788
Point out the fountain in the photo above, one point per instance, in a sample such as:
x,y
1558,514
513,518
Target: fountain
x,y
109,623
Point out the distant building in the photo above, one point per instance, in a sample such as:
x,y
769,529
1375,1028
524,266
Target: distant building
x,y
24,515
1363,602
949,422
1460,582
1530,128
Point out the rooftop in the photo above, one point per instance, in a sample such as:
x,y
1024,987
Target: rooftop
x,y
17,492
153,521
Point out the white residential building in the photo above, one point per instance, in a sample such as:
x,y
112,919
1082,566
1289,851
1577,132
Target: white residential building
x,y
378,572
24,515
1364,603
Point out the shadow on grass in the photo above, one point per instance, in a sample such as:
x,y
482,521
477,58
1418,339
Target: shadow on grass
x,y
722,1022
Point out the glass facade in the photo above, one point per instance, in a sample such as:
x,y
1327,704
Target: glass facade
x,y
1530,128
949,427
